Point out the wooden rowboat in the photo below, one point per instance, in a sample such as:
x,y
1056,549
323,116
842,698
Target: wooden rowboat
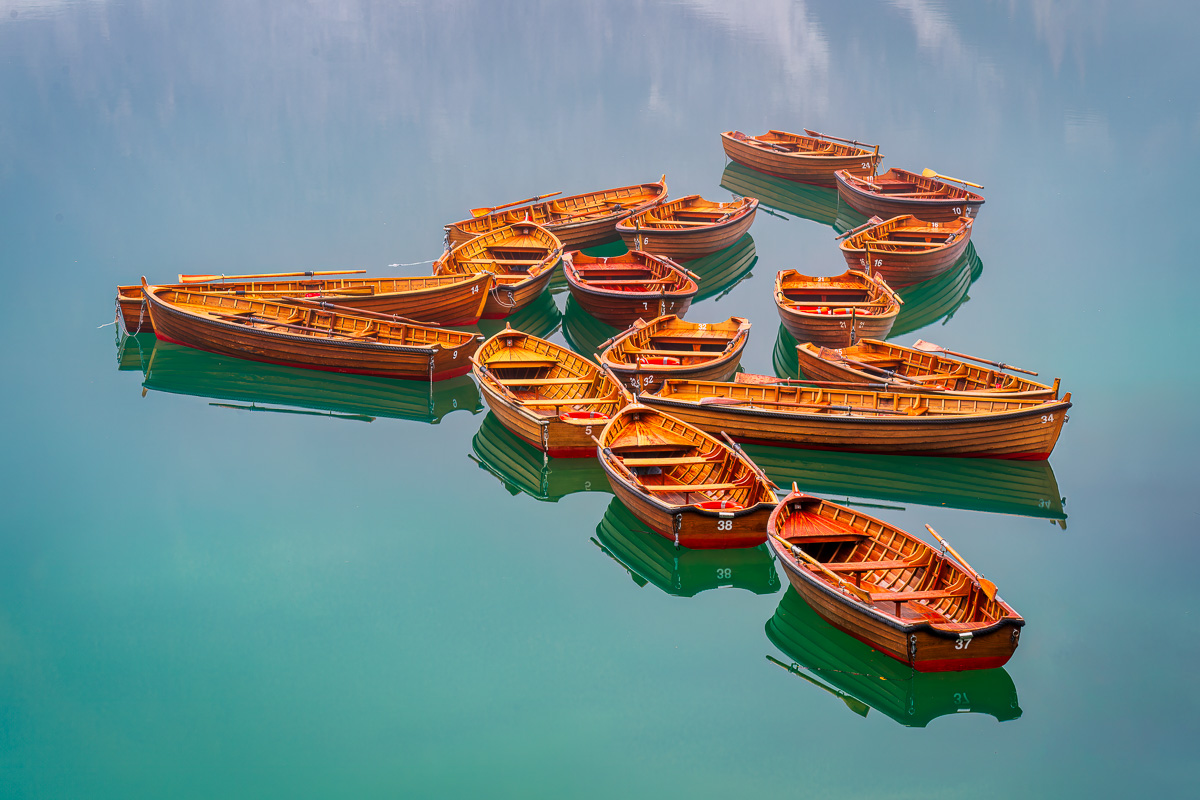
x,y
667,347
447,300
687,228
521,259
905,250
899,423
636,285
864,678
682,483
899,191
552,398
309,337
912,370
817,203
890,589
837,310
582,220
811,158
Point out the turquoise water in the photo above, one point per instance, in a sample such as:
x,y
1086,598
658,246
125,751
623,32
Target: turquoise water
x,y
218,580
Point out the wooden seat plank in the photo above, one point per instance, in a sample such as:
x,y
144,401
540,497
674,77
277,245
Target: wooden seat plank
x,y
696,487
666,462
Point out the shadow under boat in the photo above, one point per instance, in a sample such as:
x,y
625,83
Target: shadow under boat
x,y
176,369
583,332
1023,488
523,468
817,203
540,318
864,678
650,558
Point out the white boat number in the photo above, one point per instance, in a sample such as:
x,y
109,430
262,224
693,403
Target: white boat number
x,y
879,262
862,261
724,524
703,326
865,165
588,430
475,289
957,210
962,644
645,304
935,224
1047,418
455,354
724,573
819,280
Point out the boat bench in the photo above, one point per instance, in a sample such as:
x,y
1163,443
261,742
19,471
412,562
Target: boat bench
x,y
665,462
541,381
901,597
867,566
684,488
644,352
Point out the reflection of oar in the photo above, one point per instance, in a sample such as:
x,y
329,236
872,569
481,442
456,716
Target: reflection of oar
x,y
989,588
330,414
928,173
240,278
734,401
838,580
930,347
853,703
479,212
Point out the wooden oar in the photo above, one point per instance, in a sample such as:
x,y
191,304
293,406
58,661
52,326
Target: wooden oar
x,y
241,278
839,581
276,323
365,291
930,347
757,469
357,312
928,173
989,588
838,139
480,212
872,222
733,401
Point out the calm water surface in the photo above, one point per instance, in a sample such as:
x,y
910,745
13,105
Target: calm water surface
x,y
222,580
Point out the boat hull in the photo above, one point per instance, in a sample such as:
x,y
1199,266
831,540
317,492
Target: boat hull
x,y
556,437
1024,434
920,646
873,204
293,350
835,330
801,167
683,245
503,300
904,268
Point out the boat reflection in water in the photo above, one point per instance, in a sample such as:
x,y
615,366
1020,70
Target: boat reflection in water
x,y
1000,486
176,369
720,271
540,318
133,351
937,298
864,678
521,467
650,558
817,203
583,332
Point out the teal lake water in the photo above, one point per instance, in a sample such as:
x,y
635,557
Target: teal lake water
x,y
225,580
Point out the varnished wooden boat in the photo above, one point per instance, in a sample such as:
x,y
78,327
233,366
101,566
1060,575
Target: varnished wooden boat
x,y
679,571
251,386
899,191
523,468
667,347
309,337
871,361
864,678
835,311
520,257
579,221
637,285
905,250
689,227
682,483
811,158
547,395
900,423
446,300
890,589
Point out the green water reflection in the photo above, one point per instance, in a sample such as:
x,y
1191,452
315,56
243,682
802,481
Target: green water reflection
x,y
650,558
522,468
863,678
254,386
817,203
